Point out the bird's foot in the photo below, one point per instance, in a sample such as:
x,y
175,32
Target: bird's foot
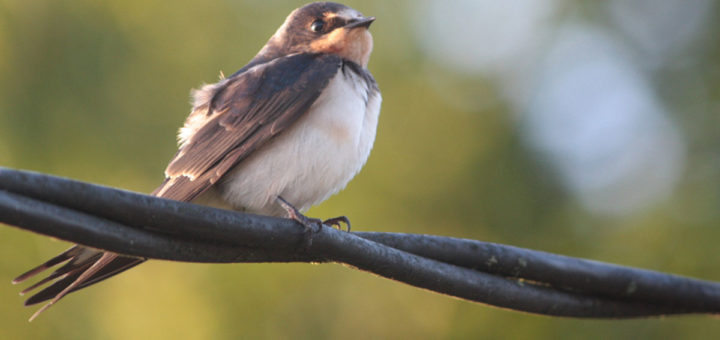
x,y
337,222
312,225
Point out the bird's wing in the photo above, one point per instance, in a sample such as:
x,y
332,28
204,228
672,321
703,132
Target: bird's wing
x,y
242,115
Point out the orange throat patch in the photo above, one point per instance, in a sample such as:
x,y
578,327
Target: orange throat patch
x,y
354,44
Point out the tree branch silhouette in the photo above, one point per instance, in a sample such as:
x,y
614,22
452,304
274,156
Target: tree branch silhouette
x,y
505,276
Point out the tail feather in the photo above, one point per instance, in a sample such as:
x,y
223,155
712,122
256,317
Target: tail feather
x,y
55,288
84,276
114,267
64,271
64,256
85,267
117,266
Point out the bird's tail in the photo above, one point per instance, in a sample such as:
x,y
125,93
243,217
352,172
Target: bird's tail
x,y
87,266
84,267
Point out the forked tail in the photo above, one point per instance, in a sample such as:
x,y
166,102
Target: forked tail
x,y
84,267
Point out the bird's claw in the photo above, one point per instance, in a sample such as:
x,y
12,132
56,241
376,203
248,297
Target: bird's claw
x,y
337,222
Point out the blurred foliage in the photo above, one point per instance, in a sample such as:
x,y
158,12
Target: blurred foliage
x,y
95,90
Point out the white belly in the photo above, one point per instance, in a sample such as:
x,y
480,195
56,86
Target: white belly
x,y
313,159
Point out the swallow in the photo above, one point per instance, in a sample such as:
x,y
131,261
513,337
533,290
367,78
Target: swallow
x,y
285,132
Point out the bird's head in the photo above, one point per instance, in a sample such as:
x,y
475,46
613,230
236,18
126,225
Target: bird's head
x,y
323,27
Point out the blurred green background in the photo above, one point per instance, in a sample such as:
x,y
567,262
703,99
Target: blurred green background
x,y
584,128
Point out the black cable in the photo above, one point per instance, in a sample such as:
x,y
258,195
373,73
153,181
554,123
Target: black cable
x,y
505,276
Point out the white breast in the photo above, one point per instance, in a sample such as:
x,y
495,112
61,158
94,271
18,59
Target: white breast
x,y
313,159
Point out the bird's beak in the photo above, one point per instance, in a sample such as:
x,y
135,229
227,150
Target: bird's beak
x,y
362,22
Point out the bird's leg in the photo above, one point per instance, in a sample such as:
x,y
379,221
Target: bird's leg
x,y
295,214
309,222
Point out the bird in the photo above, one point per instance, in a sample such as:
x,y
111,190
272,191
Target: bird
x,y
285,132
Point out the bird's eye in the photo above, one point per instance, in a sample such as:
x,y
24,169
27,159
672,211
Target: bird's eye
x,y
317,25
